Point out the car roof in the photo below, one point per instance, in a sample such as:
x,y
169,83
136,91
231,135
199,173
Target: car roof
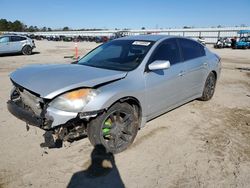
x,y
146,37
243,31
11,35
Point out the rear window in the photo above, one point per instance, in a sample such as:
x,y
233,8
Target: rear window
x,y
191,49
17,38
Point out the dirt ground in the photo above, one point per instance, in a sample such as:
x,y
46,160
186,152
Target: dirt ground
x,y
200,144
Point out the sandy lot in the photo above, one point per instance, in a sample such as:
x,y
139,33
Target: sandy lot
x,y
200,144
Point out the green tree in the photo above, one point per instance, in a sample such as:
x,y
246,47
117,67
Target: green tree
x,y
4,25
25,28
44,29
36,28
31,29
65,28
17,26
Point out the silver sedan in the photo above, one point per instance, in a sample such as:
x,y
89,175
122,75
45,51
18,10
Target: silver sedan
x,y
115,89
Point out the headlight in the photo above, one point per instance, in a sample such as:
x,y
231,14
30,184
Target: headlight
x,y
73,101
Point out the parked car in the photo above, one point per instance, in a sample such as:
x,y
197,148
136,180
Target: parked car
x,y
243,43
244,39
223,43
202,41
120,34
16,44
68,39
115,89
53,38
98,39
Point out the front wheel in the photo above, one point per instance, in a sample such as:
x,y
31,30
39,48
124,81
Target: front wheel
x,y
27,50
209,87
116,128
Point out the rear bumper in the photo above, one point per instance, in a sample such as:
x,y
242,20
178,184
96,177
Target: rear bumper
x,y
22,114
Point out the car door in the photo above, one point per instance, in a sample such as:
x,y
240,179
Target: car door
x,y
164,87
4,44
16,43
195,66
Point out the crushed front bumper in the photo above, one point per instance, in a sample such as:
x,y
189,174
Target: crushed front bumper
x,y
29,117
51,118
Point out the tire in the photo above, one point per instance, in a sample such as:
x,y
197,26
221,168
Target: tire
x,y
209,87
115,129
27,50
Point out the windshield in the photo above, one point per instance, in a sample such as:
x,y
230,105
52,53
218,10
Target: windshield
x,y
122,55
245,39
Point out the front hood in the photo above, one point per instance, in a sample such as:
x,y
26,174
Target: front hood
x,y
51,80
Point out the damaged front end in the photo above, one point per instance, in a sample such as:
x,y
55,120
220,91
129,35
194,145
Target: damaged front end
x,y
59,125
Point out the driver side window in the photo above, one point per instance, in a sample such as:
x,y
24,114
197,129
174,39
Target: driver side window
x,y
167,50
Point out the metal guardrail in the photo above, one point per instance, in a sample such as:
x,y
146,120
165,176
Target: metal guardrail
x,y
209,34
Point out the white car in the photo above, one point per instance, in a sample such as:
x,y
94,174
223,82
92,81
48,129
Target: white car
x,y
16,44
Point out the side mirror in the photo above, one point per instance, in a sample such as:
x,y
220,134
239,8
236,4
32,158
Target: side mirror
x,y
159,65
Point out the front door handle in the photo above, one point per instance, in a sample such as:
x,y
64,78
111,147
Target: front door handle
x,y
205,64
181,73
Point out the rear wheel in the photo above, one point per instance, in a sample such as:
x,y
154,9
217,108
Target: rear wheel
x,y
27,50
209,87
115,129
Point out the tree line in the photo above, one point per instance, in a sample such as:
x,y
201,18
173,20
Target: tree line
x,y
18,26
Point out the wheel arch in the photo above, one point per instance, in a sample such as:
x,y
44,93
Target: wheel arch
x,y
25,44
133,102
215,74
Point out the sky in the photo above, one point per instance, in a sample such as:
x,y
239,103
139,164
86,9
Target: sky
x,y
133,14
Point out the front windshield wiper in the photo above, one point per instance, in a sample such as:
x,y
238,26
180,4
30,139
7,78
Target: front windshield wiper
x,y
104,67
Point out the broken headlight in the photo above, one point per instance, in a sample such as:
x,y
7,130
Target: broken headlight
x,y
73,101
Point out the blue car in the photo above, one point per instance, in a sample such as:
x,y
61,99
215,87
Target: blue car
x,y
244,41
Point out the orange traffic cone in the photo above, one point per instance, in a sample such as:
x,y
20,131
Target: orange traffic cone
x,y
76,51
